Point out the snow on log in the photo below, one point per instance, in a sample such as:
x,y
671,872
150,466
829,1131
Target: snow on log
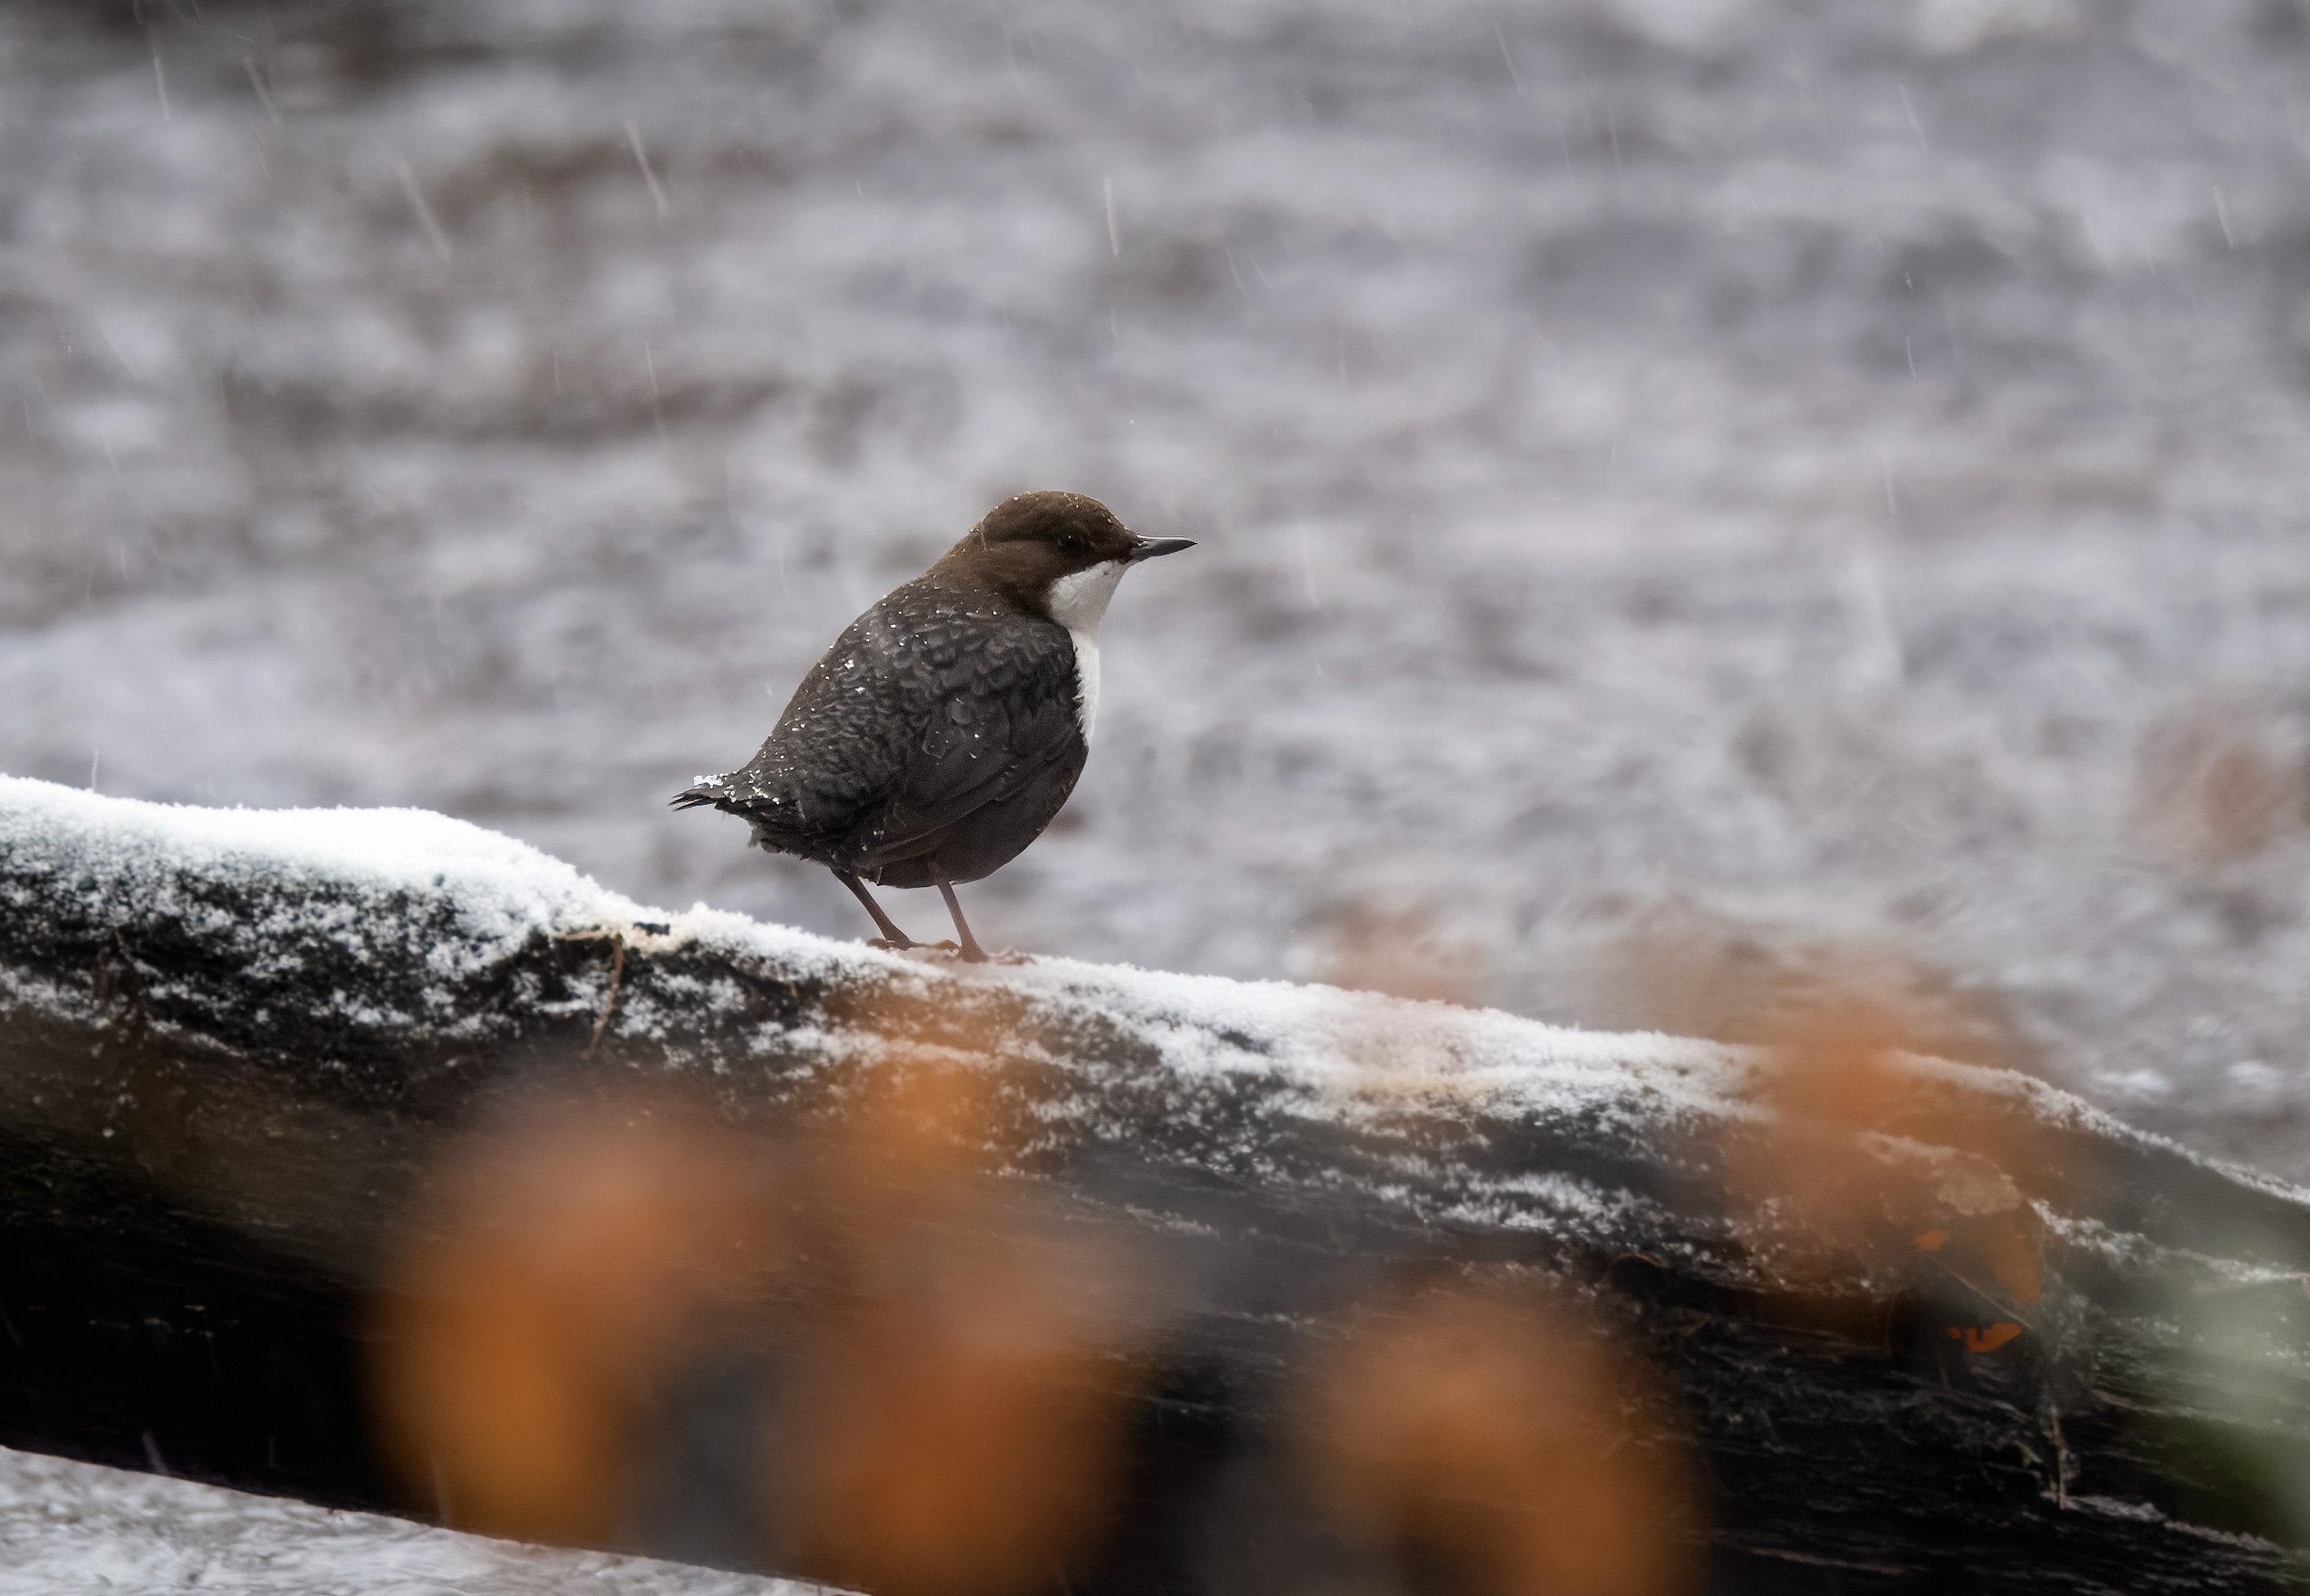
x,y
66,1526
1890,1324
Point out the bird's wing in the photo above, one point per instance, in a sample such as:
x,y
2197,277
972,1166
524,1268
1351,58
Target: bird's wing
x,y
928,706
1003,697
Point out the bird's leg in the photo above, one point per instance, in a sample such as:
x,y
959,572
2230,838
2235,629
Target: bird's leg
x,y
891,935
972,953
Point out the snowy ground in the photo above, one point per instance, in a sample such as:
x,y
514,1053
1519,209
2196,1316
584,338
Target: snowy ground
x,y
1697,496
68,1527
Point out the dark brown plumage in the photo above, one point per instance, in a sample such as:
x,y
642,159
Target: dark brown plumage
x,y
946,726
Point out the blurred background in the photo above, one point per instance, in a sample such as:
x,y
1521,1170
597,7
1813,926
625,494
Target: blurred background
x,y
1703,502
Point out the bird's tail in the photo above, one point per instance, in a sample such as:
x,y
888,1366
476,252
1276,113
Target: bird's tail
x,y
707,789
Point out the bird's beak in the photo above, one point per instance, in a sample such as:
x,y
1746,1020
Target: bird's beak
x,y
1152,548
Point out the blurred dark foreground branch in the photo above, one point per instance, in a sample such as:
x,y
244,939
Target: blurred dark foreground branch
x,y
377,1160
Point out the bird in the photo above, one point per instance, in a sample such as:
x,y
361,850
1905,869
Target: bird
x,y
947,725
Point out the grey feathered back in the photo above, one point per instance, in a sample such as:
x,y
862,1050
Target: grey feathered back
x,y
937,737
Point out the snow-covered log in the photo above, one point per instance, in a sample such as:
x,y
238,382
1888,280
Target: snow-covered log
x,y
1961,1331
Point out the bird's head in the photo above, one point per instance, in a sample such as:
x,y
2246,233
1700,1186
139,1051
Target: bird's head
x,y
1055,554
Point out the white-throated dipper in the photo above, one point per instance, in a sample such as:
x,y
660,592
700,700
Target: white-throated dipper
x,y
947,724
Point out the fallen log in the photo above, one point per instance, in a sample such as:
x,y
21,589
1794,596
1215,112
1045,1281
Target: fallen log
x,y
1891,1324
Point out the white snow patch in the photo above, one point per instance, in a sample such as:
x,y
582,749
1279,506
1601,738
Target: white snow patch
x,y
499,888
1370,1047
67,1526
497,891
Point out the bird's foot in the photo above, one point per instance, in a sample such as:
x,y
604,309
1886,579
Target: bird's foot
x,y
962,953
947,946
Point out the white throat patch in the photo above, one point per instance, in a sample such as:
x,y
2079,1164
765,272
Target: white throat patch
x,y
1077,602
